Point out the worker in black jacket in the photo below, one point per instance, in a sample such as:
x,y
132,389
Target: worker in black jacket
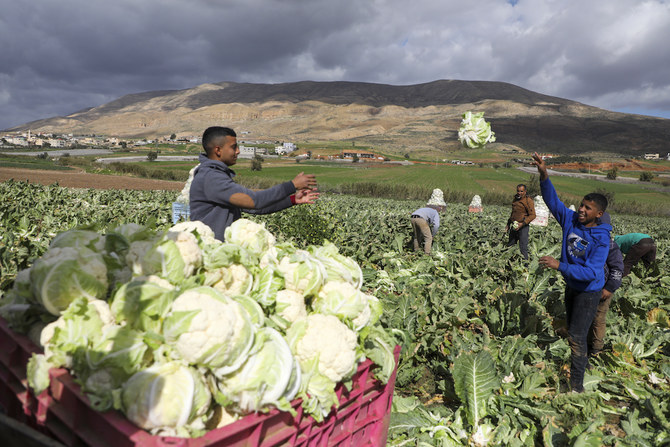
x,y
613,274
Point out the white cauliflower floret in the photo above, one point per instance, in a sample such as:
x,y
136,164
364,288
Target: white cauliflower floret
x,y
302,272
103,311
343,300
206,234
332,342
290,305
136,252
185,194
232,280
45,340
219,335
250,235
164,283
189,250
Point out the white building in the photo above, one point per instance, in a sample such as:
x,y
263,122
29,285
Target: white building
x,y
651,156
285,148
251,151
56,142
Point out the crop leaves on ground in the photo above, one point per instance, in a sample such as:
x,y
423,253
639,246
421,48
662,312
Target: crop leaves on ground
x,y
471,296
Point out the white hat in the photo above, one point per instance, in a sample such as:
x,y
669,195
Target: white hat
x,y
437,198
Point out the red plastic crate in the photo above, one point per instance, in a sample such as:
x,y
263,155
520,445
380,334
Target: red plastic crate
x,y
64,412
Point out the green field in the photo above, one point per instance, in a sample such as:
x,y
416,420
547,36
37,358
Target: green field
x,y
491,181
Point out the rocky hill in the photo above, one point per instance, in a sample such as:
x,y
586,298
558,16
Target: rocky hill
x,y
423,117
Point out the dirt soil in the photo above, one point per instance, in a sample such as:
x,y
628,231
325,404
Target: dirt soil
x,y
629,165
81,179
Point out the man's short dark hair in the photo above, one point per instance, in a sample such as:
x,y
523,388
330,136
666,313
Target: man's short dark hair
x,y
599,199
524,186
214,133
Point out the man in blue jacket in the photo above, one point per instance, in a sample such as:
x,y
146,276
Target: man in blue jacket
x,y
217,201
583,254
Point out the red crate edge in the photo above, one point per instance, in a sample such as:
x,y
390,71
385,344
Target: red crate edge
x,y
64,413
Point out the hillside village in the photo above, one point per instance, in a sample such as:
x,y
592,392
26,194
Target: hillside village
x,y
248,148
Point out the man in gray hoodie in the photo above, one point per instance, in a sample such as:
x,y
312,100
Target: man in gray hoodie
x,y
217,201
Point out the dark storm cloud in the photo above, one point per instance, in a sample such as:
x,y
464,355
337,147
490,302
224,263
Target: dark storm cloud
x,y
60,57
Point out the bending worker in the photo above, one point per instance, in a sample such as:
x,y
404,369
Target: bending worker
x,y
636,246
426,221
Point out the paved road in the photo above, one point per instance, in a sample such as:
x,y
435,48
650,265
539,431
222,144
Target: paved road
x,y
144,158
533,170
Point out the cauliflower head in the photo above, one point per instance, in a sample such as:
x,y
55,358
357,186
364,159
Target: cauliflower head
x,y
290,305
325,339
205,233
209,329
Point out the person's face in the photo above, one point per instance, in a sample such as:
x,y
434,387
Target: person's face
x,y
521,192
588,213
227,150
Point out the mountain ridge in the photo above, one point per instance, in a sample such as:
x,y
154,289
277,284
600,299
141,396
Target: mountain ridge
x,y
400,118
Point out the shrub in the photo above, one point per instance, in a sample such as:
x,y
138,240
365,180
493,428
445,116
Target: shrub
x,y
257,163
609,195
612,173
533,186
43,155
646,176
152,155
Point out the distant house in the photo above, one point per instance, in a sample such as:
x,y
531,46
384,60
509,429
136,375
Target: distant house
x,y
360,154
285,148
251,151
651,156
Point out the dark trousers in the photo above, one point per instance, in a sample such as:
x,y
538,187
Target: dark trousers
x,y
520,236
645,249
581,309
598,327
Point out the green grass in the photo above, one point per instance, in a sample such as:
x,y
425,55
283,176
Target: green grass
x,y
471,180
462,182
29,162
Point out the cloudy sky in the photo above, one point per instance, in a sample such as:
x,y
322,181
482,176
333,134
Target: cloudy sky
x,y
58,57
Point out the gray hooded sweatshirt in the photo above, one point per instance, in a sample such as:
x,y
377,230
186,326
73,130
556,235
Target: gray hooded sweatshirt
x,y
212,188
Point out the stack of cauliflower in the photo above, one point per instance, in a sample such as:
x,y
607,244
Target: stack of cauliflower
x,y
184,333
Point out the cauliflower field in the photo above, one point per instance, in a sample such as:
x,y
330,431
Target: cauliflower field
x,y
483,359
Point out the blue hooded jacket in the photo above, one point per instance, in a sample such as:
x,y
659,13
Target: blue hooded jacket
x,y
584,250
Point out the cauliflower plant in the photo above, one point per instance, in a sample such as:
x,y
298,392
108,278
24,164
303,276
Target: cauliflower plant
x,y
302,273
209,329
65,273
343,300
136,253
232,280
250,235
326,340
325,349
205,234
190,251
290,305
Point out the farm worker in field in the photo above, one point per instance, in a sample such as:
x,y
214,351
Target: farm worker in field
x,y
523,213
613,275
584,251
636,246
426,221
217,201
